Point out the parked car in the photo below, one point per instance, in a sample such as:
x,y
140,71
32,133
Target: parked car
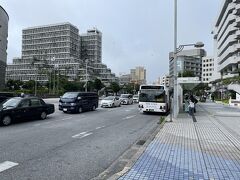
x,y
135,98
18,108
111,101
126,99
78,102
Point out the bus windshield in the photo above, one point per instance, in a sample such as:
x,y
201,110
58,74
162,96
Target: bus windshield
x,y
152,96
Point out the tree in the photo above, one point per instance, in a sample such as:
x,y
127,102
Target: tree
x,y
115,87
130,88
97,84
14,84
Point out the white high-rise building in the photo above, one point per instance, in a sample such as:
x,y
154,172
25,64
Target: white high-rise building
x,y
227,40
207,69
58,48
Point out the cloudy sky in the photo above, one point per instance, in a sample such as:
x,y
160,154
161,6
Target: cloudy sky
x,y
135,32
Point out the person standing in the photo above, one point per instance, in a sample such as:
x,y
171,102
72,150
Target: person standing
x,y
192,102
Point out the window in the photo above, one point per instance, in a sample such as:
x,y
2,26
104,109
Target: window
x,y
25,103
35,102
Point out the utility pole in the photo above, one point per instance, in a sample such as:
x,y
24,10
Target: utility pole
x,y
175,92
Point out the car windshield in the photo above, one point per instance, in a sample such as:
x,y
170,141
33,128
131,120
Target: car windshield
x,y
70,95
135,96
109,98
13,102
124,96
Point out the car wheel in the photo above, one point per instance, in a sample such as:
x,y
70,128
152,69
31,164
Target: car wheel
x,y
43,115
93,108
6,120
80,109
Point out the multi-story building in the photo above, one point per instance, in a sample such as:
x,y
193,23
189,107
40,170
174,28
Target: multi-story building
x,y
188,60
226,40
91,45
138,75
60,48
4,18
164,80
124,79
207,69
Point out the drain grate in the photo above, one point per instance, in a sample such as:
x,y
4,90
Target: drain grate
x,y
141,142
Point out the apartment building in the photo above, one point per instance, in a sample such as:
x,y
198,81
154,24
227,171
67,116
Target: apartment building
x,y
207,69
60,48
226,35
4,18
91,45
187,60
138,75
164,80
124,79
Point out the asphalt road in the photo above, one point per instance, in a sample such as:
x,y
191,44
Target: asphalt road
x,y
227,116
70,146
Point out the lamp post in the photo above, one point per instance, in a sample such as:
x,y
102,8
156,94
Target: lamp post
x,y
176,51
54,74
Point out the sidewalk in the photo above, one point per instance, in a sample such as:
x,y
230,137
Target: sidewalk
x,y
184,149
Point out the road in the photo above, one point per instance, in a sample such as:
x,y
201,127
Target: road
x,y
70,146
227,116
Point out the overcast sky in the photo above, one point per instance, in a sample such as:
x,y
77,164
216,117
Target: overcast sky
x,y
135,32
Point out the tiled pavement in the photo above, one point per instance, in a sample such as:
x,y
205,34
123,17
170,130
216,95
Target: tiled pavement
x,y
185,149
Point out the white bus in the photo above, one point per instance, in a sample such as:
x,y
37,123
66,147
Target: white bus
x,y
153,98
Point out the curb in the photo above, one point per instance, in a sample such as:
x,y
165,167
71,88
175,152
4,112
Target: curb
x,y
126,161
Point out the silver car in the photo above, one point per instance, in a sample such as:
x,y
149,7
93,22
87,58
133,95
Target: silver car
x,y
111,101
126,99
135,98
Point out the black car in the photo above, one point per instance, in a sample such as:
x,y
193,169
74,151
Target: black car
x,y
18,108
78,102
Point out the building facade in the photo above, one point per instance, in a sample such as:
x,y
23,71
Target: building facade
x,y
91,45
226,35
138,75
4,18
164,80
187,60
207,69
124,79
59,48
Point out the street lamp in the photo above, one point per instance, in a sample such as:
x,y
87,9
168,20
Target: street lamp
x,y
176,51
86,61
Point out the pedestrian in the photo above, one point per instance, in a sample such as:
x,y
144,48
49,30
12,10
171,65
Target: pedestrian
x,y
192,102
212,97
22,95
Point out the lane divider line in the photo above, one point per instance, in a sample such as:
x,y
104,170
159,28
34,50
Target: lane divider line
x,y
80,134
129,117
100,127
7,165
85,135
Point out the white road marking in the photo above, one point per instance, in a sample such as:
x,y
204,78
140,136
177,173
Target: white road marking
x,y
127,110
80,134
129,117
100,127
7,165
85,135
